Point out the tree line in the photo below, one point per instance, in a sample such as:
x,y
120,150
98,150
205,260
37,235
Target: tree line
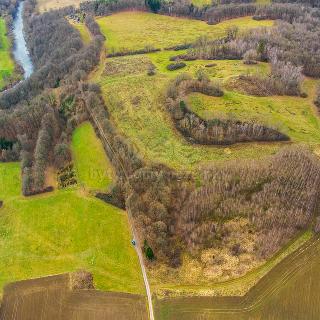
x,y
214,131
215,12
312,3
8,8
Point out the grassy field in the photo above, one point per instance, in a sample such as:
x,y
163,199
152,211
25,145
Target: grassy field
x,y
137,104
263,2
10,185
291,115
83,30
136,30
93,168
6,63
290,291
201,3
64,231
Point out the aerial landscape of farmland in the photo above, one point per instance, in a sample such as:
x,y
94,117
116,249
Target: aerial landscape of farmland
x,y
159,159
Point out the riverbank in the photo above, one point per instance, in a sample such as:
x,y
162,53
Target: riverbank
x,y
15,62
10,72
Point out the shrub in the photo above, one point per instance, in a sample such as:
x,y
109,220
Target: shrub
x,y
210,65
81,280
154,5
151,70
250,57
148,251
176,66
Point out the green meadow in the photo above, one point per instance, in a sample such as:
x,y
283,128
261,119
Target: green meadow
x,y
137,30
66,230
137,104
201,3
137,101
6,62
294,116
92,166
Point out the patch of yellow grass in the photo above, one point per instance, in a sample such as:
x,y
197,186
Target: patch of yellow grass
x,y
47,5
201,3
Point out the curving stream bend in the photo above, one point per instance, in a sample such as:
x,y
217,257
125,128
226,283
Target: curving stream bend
x,y
20,50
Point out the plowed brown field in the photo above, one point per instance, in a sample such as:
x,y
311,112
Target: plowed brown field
x,y
50,298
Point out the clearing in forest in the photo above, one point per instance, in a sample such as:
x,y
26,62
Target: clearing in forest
x,y
294,116
127,31
93,168
6,62
64,231
83,30
201,3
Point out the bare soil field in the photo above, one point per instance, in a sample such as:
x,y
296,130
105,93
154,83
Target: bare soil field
x,y
50,298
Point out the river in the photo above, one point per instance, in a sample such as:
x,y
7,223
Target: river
x,y
20,51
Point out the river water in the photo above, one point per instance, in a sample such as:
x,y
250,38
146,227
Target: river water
x,y
20,51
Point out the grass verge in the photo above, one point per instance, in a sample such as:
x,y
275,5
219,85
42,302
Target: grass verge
x,y
93,168
6,62
83,30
